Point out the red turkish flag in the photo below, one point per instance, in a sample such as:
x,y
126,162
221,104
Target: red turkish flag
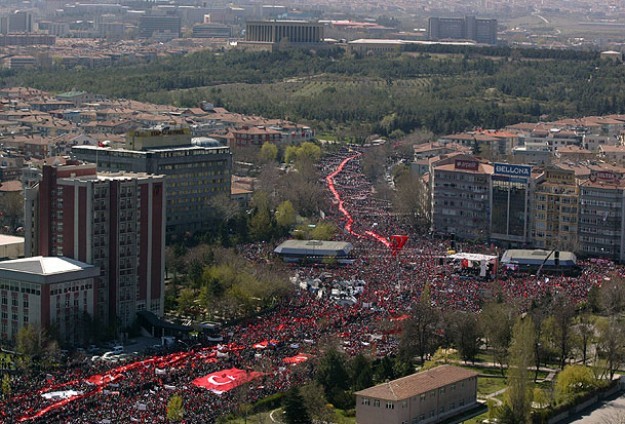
x,y
297,359
222,381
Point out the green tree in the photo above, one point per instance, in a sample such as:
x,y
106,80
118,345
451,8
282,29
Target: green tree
x,y
410,199
290,154
466,334
361,373
286,214
175,408
308,152
519,393
611,343
333,376
6,386
419,334
575,379
324,230
268,152
295,411
497,320
315,402
186,300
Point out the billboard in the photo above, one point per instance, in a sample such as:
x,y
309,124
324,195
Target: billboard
x,y
470,165
511,170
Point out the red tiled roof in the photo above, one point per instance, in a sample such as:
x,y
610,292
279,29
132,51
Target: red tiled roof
x,y
416,384
8,186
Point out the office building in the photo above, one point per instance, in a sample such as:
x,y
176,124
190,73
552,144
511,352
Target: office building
x,y
431,396
20,21
115,221
159,26
510,203
47,291
483,31
194,175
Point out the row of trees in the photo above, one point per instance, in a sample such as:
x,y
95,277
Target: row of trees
x,y
550,332
487,87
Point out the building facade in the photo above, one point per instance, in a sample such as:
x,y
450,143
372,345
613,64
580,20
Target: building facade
x,y
293,32
159,26
461,198
601,217
510,203
467,28
49,292
115,221
555,208
430,396
194,175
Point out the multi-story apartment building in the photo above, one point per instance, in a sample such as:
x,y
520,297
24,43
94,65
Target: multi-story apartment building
x,y
46,291
194,175
602,217
461,198
115,221
555,207
430,396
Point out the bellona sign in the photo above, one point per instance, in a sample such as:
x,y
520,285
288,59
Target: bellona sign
x,y
513,170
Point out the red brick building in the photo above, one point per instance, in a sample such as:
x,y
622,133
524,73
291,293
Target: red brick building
x,y
115,221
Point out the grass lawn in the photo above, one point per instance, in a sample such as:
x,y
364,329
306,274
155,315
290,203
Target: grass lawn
x,y
486,385
478,419
264,418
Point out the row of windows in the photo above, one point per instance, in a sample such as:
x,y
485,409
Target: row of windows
x,y
71,289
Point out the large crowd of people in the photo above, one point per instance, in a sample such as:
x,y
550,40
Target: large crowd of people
x,y
388,284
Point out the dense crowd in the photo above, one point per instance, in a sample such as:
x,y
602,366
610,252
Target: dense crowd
x,y
388,286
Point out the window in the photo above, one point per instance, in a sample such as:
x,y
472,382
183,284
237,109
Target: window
x,y
390,405
423,396
376,403
404,404
365,401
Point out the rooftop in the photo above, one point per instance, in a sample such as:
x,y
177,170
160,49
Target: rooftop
x,y
43,265
415,384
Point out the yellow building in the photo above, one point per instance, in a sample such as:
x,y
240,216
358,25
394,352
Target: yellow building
x,y
555,207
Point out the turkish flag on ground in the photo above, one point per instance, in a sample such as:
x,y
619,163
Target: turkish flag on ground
x,y
297,359
222,381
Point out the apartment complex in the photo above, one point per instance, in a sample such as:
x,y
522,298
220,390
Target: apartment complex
x,y
115,221
430,396
46,291
194,175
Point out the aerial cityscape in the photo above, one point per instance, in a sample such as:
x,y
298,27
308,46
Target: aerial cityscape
x,y
353,213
